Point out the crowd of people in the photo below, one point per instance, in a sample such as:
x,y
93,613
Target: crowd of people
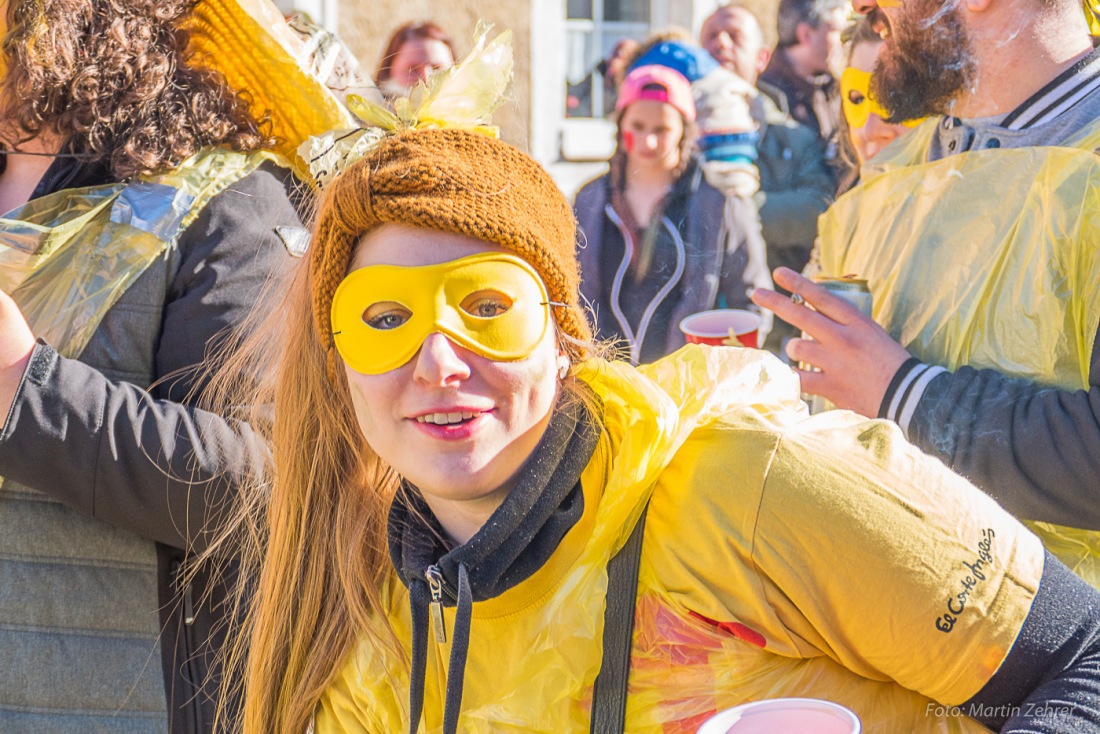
x,y
395,437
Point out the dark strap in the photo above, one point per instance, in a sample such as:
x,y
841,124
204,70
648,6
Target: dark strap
x,y
609,696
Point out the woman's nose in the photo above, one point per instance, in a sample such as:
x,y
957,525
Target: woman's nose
x,y
879,130
440,362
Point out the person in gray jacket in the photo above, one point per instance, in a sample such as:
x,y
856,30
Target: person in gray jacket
x,y
145,211
796,184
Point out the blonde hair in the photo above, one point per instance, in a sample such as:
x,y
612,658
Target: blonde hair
x,y
310,534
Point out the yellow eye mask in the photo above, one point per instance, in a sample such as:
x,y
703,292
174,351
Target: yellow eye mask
x,y
491,303
855,97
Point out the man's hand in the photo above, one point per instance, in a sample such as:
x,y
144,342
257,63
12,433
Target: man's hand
x,y
16,345
856,357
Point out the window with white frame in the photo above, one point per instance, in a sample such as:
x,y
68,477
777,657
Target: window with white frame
x,y
593,27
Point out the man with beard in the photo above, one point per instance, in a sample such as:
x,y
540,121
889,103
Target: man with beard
x,y
977,234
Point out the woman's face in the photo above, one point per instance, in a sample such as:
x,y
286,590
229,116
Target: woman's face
x,y
874,135
651,132
419,58
455,424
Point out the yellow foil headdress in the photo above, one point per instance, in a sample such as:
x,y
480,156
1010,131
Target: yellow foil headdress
x,y
463,97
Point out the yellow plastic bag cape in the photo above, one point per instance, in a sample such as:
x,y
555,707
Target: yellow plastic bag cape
x,y
990,258
536,649
66,258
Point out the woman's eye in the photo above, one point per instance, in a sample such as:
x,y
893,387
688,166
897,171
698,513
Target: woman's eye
x,y
386,315
486,304
855,97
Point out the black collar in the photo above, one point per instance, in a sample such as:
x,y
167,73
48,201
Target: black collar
x,y
521,534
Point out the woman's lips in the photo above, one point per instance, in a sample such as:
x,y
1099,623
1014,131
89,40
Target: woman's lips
x,y
442,424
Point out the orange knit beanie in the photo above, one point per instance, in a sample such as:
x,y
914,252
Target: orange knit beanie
x,y
455,181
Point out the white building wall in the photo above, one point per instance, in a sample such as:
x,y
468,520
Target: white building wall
x,y
535,119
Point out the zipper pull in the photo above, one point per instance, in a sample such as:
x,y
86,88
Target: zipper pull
x,y
435,584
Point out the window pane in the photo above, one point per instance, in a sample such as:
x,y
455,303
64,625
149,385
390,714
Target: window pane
x,y
579,98
581,55
579,9
635,11
610,37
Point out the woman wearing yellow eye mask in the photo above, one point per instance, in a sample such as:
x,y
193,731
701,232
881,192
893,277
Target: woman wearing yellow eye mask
x,y
463,490
865,131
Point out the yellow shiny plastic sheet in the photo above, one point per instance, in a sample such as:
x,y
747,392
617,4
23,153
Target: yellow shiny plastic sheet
x,y
535,649
1092,15
990,259
66,258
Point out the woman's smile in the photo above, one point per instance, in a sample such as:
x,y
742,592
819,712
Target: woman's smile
x,y
454,424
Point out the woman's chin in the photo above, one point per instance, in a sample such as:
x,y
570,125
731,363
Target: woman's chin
x,y
456,478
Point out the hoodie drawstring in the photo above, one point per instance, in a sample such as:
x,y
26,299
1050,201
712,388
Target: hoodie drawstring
x,y
419,601
460,645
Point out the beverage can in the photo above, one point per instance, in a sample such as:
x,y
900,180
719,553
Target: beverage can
x,y
849,288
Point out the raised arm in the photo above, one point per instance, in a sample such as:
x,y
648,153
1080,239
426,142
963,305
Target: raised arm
x,y
148,461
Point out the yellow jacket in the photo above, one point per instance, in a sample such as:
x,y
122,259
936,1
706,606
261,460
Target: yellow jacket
x,y
783,555
1018,292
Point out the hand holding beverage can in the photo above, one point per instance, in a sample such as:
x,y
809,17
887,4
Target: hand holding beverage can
x,y
848,288
784,716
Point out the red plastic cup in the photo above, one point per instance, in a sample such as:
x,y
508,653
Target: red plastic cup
x,y
784,716
713,327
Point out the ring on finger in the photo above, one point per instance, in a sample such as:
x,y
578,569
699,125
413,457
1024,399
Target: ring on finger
x,y
797,300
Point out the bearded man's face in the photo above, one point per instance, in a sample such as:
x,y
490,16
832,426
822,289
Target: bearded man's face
x,y
926,62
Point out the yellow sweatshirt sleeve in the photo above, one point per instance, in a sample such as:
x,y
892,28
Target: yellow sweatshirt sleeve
x,y
888,562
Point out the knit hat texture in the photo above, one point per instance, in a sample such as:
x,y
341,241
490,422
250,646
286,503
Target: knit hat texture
x,y
454,181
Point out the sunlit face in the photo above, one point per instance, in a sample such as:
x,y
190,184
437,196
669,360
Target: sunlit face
x,y
419,58
875,133
651,132
455,424
732,37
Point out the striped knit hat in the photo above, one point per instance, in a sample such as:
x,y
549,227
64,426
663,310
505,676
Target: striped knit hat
x,y
454,181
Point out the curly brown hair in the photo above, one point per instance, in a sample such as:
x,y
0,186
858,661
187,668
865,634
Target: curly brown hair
x,y
112,79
